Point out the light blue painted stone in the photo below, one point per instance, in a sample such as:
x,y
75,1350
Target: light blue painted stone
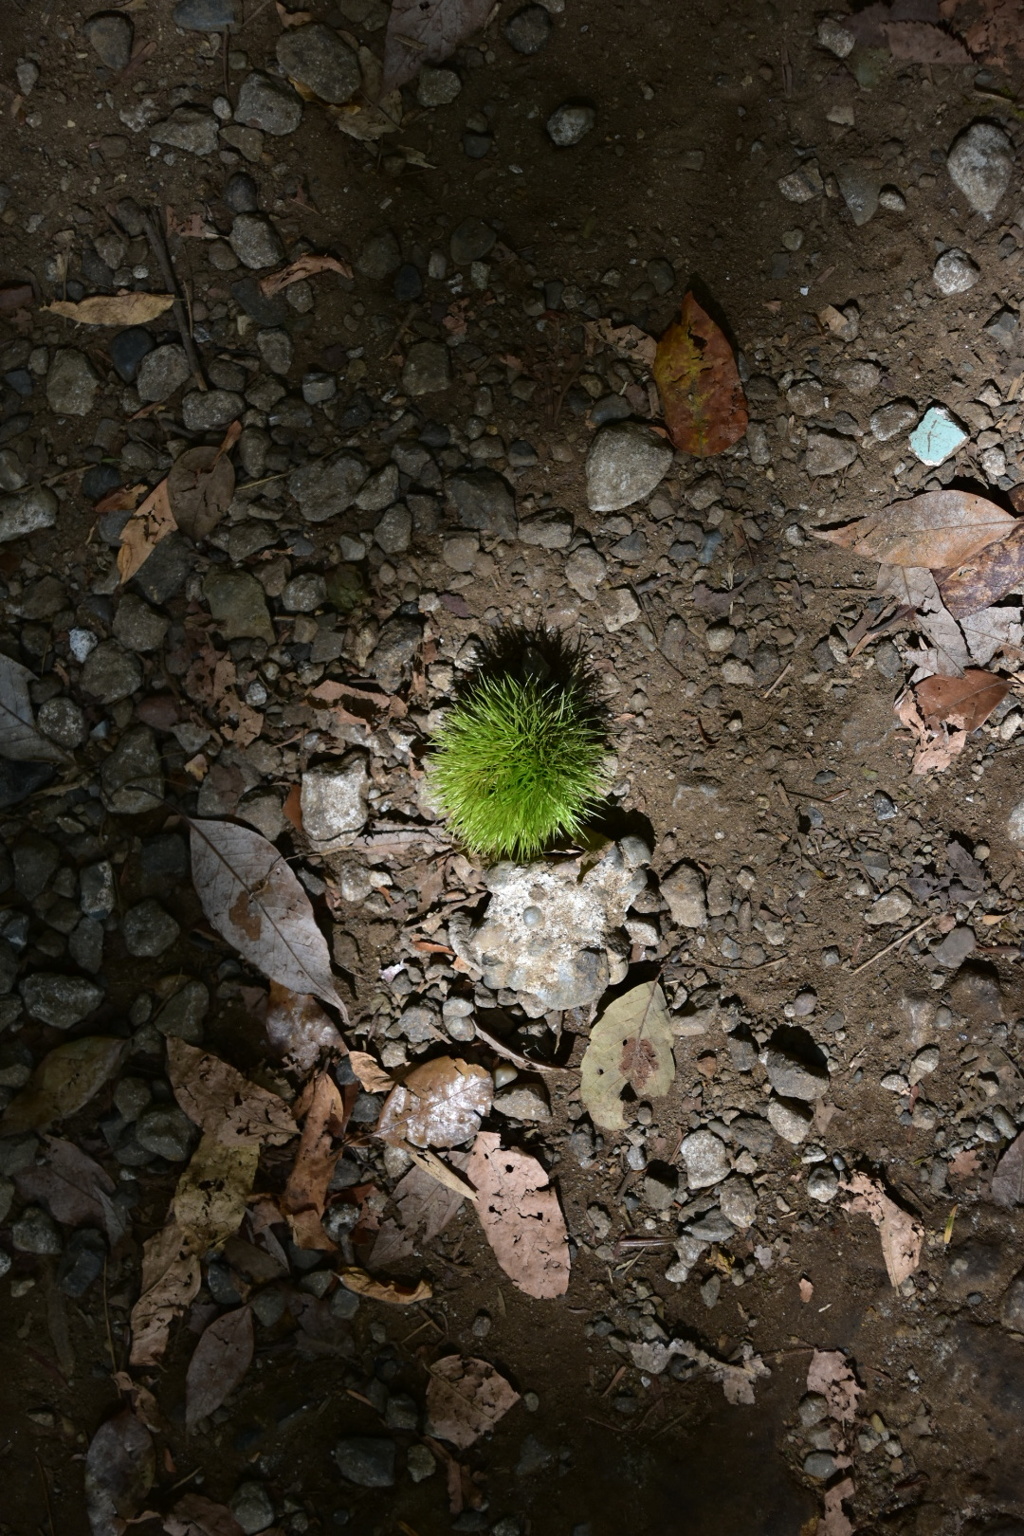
x,y
937,436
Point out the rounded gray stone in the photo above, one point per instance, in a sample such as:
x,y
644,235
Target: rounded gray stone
x,y
165,1131
570,123
318,59
148,930
110,37
110,673
188,129
60,1001
131,778
26,512
625,463
427,368
471,241
255,241
437,87
328,486
955,272
71,383
63,721
36,1232
207,410
366,1460
272,108
980,164
162,371
706,1159
482,501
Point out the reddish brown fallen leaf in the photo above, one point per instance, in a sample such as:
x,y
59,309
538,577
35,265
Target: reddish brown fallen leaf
x,y
427,32
920,42
112,309
423,1208
395,1293
305,1193
964,1165
171,1274
120,1466
965,702
125,499
806,1288
830,1374
299,1030
292,807
218,1365
1008,1179
699,384
225,1103
151,521
64,1081
370,1073
194,1515
298,270
73,1187
900,1234
934,751
521,1217
939,530
986,577
439,1104
465,1399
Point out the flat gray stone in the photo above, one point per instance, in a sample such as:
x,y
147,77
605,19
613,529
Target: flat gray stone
x,y
163,371
207,410
60,1001
570,123
71,383
436,87
189,129
482,500
427,368
110,37
333,801
706,1158
472,240
892,419
111,673
790,1118
795,1078
138,626
239,605
859,185
828,454
255,241
319,60
272,108
547,530
131,778
683,889
205,15
27,511
980,164
367,1460
166,1131
625,463
327,486
148,929
400,639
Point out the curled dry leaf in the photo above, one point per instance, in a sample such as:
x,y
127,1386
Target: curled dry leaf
x,y
152,521
423,1207
900,1234
1008,1179
171,1275
305,1193
939,529
521,1217
194,1515
396,1293
699,384
120,1466
631,1044
965,702
20,740
427,32
227,1106
64,1081
629,341
298,270
830,1374
141,1401
218,1365
299,1030
439,1104
112,309
934,750
986,577
257,904
465,1399
74,1188
210,1199
372,1076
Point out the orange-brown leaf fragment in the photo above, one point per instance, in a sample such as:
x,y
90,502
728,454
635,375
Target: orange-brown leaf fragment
x,y
152,521
521,1217
699,384
965,702
395,1293
305,1193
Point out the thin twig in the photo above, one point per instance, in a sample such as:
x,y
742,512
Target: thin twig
x,y
772,687
894,945
515,1057
158,245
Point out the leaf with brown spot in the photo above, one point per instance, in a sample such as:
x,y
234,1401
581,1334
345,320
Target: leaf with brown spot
x,y
64,1081
221,1100
985,577
171,1275
218,1365
1008,1179
631,1044
699,384
439,1104
965,702
521,1217
112,309
465,1399
210,1200
151,522
939,530
394,1293
254,901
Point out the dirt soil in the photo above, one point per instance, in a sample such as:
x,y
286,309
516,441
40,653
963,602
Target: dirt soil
x,y
745,738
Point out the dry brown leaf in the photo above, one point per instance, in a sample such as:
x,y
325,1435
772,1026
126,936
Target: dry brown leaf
x,y
251,896
171,1275
141,1401
914,586
630,1045
64,1081
919,42
939,529
395,1293
699,384
200,486
934,751
986,577
305,1193
629,341
424,1206
297,271
210,1199
465,1399
152,521
73,1187
438,1169
806,1288
900,1234
371,1075
830,1374
965,702
521,1217
439,1104
218,1364
835,1522
227,1106
292,18
195,1515
112,309
1008,1179
964,1165
120,1466
427,32
299,1030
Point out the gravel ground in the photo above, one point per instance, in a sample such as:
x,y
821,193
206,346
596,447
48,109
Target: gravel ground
x,y
437,439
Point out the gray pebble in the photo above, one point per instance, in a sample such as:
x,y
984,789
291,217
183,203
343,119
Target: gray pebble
x,y
980,164
110,673
188,129
366,1460
272,108
955,272
110,37
255,241
71,383
60,1001
163,371
570,123
528,29
437,87
319,60
148,930
36,1232
165,1131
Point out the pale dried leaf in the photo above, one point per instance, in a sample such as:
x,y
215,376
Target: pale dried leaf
x,y
74,1188
631,1044
218,1365
371,1075
465,1399
806,1288
112,309
299,1030
439,1104
227,1106
64,1081
914,586
195,1515
835,1522
938,529
830,1374
993,629
210,1199
424,1206
171,1275
920,42
141,1401
427,32
521,1217
395,1293
438,1169
900,1234
629,341
257,904
152,521
738,1380
20,740
305,1193
300,269
369,121
1008,1179
120,1466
